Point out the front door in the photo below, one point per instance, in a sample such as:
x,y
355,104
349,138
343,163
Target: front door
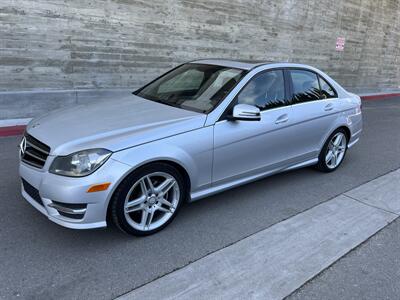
x,y
246,148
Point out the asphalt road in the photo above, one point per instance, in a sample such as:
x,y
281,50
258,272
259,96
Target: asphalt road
x,y
41,260
371,271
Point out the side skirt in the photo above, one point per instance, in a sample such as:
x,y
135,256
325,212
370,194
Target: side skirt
x,y
226,186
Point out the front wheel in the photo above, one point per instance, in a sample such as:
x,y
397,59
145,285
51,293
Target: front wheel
x,y
333,152
148,199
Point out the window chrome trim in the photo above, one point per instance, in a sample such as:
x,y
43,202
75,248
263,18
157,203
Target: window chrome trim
x,y
216,114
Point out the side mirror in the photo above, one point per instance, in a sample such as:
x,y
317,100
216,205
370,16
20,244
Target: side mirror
x,y
245,112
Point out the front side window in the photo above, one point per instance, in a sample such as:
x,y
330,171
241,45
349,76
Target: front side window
x,y
196,87
305,86
265,91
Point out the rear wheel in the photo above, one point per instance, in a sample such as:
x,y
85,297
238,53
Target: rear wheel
x,y
148,199
333,152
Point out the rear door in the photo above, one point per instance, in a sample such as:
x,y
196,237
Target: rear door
x,y
315,109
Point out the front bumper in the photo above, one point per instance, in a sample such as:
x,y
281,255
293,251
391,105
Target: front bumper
x,y
65,201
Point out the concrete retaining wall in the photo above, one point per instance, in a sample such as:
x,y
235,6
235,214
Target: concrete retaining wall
x,y
114,44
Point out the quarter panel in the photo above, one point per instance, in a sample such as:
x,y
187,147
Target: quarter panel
x,y
349,116
312,123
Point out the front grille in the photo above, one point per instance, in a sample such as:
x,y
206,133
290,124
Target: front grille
x,y
31,191
34,152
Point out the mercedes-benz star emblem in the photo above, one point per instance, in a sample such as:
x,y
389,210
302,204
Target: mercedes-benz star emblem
x,y
22,146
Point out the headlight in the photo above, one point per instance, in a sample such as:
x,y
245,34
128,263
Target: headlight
x,y
79,164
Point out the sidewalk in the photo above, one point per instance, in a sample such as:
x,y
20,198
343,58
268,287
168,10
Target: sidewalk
x,y
371,271
274,262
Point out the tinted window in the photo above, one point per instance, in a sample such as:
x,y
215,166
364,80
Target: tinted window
x,y
326,90
196,87
305,86
266,90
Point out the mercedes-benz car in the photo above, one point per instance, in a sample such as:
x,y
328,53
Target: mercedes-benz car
x,y
201,128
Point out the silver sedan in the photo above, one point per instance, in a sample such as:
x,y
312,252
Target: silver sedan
x,y
203,127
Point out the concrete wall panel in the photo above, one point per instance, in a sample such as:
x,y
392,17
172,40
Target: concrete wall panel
x,y
75,44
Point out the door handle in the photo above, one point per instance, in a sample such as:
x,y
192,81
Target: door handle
x,y
282,119
328,107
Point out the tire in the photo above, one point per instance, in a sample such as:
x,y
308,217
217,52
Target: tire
x,y
139,206
339,151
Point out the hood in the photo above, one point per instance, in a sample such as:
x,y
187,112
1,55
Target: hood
x,y
113,124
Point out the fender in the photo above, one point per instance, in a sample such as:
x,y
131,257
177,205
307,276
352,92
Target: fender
x,y
192,150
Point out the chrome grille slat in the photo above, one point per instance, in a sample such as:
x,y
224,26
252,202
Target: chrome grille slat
x,y
35,153
32,163
27,152
30,139
36,147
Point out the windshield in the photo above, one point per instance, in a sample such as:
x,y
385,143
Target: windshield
x,y
196,87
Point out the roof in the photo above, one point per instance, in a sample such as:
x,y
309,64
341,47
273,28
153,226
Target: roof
x,y
250,64
239,64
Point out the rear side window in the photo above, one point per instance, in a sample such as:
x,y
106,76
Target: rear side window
x,y
305,86
326,89
265,91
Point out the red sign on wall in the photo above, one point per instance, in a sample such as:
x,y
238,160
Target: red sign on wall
x,y
340,43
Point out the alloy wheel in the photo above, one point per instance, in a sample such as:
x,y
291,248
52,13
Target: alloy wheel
x,y
151,201
336,150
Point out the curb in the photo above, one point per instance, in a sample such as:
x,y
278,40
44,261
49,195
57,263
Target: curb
x,y
12,130
19,129
379,96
